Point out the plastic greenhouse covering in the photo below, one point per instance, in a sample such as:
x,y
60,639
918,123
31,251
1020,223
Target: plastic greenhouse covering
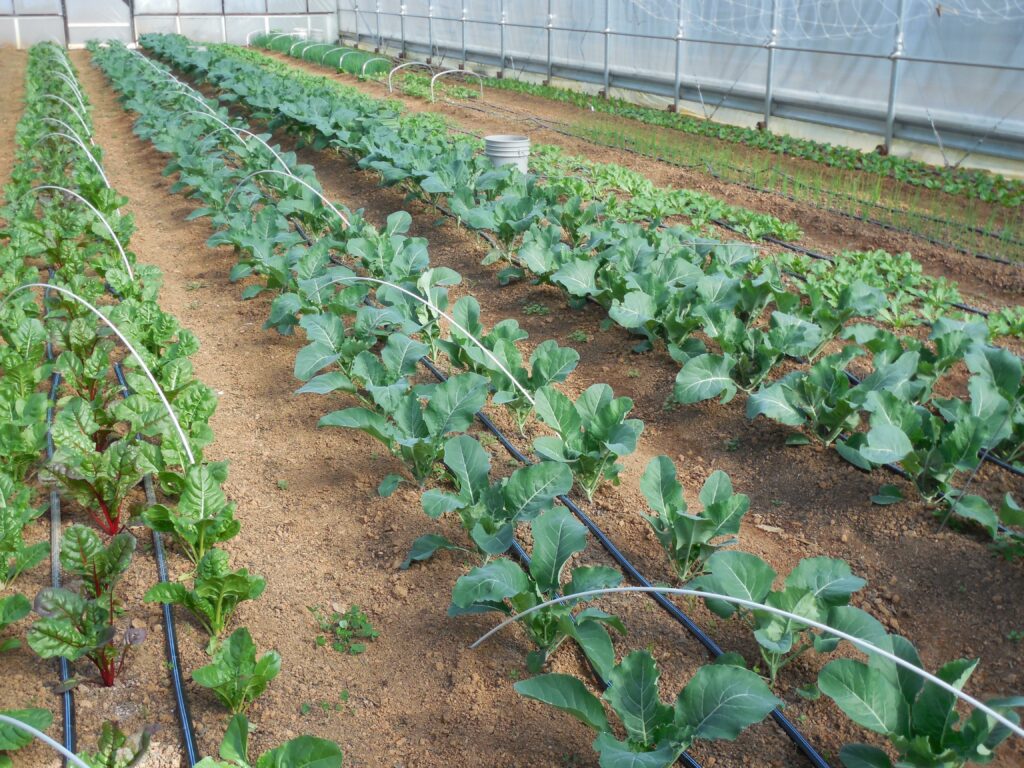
x,y
947,74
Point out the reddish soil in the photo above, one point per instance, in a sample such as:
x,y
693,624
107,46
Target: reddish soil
x,y
418,697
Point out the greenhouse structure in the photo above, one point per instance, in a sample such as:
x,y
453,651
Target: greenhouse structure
x,y
555,383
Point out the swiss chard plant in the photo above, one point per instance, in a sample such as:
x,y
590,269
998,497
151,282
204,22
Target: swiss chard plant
x,y
117,749
718,703
300,752
235,674
97,473
216,592
592,434
12,608
814,588
16,511
502,585
202,518
690,539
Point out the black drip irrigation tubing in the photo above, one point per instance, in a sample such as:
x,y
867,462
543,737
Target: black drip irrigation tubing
x,y
516,548
64,669
170,632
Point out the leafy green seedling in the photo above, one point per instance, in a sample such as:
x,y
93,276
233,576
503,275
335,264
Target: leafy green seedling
x,y
300,752
116,749
344,631
235,675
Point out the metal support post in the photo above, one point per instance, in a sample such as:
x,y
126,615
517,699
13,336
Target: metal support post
x,y
551,23
380,41
607,48
430,33
224,22
769,84
67,28
679,57
465,12
501,28
355,10
401,21
894,79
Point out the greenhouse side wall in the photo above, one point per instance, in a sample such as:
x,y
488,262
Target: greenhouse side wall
x,y
889,68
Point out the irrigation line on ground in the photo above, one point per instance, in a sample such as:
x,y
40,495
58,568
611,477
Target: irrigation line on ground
x,y
170,632
64,669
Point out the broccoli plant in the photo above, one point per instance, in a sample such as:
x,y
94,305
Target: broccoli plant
x,y
557,536
490,511
412,430
919,718
301,752
592,433
690,539
235,675
202,518
215,594
813,589
717,704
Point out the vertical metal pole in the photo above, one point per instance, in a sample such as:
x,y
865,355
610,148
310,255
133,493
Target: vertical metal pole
x,y
504,18
380,41
224,22
355,10
894,77
401,21
17,33
550,24
177,15
67,27
607,47
679,57
769,83
430,32
131,21
464,14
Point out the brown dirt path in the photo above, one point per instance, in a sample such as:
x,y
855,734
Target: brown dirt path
x,y
804,501
983,283
314,526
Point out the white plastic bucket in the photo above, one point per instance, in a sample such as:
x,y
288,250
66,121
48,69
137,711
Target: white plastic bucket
x,y
506,148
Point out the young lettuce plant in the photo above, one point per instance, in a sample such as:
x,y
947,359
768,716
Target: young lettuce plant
x,y
718,703
557,536
689,540
411,430
235,675
592,433
301,752
919,718
202,518
215,594
490,511
75,626
813,589
16,512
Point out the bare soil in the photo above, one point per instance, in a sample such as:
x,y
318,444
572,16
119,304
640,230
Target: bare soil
x,y
417,696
